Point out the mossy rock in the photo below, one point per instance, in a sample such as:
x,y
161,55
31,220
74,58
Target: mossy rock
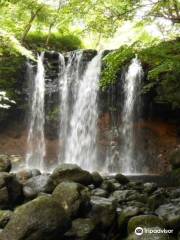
x,y
72,197
41,218
144,221
5,216
70,172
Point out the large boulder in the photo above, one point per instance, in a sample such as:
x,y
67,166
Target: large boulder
x,y
70,172
121,178
170,214
108,186
175,158
144,221
103,211
36,185
40,219
10,190
97,179
5,163
72,197
156,199
126,214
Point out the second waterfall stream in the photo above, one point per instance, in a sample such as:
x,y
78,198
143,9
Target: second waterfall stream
x,y
81,141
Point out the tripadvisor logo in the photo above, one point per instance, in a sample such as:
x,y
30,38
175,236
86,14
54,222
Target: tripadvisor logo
x,y
139,231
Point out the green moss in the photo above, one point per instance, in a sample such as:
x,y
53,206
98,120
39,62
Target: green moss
x,y
114,63
161,62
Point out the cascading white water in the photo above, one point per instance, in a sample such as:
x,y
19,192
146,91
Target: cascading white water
x,y
131,86
81,142
68,85
36,142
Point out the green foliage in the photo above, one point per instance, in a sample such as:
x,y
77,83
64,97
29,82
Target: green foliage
x,y
113,64
161,62
11,46
10,67
57,42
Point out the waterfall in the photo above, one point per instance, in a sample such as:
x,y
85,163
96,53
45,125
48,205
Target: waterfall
x,y
68,85
36,142
81,142
130,112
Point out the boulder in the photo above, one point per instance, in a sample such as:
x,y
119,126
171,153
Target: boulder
x,y
128,195
10,190
81,228
103,211
39,219
144,221
5,163
26,174
135,186
175,158
97,179
99,192
70,172
36,185
174,193
72,197
126,214
5,216
17,161
121,178
170,214
149,187
108,186
156,199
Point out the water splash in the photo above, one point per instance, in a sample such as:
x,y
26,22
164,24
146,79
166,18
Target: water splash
x,y
36,142
131,110
68,86
81,142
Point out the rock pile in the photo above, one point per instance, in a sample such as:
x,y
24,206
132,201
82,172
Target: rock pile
x,y
73,204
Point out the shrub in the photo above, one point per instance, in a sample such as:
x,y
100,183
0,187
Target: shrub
x,y
57,42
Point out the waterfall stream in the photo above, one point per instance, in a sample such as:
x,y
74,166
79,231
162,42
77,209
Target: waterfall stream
x,y
68,85
131,109
81,142
36,141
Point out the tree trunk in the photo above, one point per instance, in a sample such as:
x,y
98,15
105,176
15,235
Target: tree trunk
x,y
49,34
29,25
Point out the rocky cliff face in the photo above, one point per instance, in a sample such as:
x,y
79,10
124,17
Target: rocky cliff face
x,y
158,123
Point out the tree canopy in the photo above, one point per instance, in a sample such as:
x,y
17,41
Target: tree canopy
x,y
31,26
97,18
